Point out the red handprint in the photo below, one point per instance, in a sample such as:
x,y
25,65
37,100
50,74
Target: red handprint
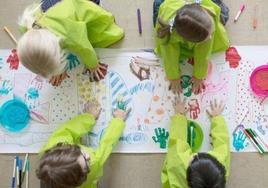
x,y
13,60
194,108
233,57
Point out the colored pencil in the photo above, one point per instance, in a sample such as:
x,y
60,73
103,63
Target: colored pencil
x,y
139,21
14,174
256,139
10,35
261,140
242,8
24,167
253,141
191,137
17,168
27,173
255,21
20,172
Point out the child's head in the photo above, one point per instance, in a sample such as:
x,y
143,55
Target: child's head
x,y
192,22
39,51
205,171
63,166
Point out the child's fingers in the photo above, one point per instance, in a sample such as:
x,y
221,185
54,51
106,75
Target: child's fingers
x,y
215,103
211,105
209,113
100,73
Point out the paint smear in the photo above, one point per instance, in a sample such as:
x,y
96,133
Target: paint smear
x,y
262,80
232,56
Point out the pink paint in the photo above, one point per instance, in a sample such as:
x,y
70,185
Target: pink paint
x,y
13,60
232,56
259,81
194,108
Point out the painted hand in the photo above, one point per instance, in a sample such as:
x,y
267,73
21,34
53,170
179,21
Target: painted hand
x,y
92,107
161,136
180,106
56,80
175,86
97,73
215,108
198,85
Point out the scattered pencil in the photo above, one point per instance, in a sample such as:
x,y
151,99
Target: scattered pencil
x,y
242,8
253,141
255,21
14,174
139,21
261,140
17,170
20,171
27,173
24,167
10,35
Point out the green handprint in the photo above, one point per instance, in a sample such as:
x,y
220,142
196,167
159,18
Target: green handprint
x,y
161,137
186,85
72,61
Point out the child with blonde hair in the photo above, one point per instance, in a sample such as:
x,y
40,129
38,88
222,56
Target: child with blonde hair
x,y
78,26
189,29
66,163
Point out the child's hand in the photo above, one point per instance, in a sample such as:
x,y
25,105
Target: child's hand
x,y
180,106
92,107
98,73
175,86
56,80
198,85
215,108
122,114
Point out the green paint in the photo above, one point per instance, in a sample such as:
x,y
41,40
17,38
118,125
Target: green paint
x,y
186,85
161,136
194,135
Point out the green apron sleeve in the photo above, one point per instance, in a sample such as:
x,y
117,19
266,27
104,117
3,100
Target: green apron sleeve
x,y
71,131
108,141
164,176
170,54
220,142
202,53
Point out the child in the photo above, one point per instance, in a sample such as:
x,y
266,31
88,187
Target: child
x,y
189,31
182,168
65,163
76,25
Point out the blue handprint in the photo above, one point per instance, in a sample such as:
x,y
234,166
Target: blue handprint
x,y
73,61
32,93
239,140
5,89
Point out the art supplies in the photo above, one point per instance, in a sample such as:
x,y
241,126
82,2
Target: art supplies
x,y
242,8
139,20
260,140
20,173
24,166
10,35
13,181
253,141
255,21
17,170
27,173
259,81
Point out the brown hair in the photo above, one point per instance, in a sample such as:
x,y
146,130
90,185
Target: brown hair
x,y
59,167
192,22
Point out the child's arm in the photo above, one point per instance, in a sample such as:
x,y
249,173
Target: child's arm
x,y
202,52
71,131
108,141
220,141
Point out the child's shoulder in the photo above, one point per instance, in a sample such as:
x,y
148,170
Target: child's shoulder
x,y
169,8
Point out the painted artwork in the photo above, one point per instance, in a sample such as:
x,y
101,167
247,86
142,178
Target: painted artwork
x,y
137,78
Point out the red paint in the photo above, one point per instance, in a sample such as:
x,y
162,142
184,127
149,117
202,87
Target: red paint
x,y
262,80
194,108
232,56
13,60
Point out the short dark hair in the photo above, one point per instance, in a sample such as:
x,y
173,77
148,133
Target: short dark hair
x,y
59,167
205,171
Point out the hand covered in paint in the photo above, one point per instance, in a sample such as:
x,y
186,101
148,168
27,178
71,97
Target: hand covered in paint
x,y
92,107
216,109
97,73
56,80
180,106
175,86
122,114
198,85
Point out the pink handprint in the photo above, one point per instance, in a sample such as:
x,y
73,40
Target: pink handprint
x,y
194,108
13,60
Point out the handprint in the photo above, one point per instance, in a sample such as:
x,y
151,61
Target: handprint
x,y
161,136
5,89
72,61
239,140
194,108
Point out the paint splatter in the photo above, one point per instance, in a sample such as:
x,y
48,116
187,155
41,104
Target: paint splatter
x,y
186,85
32,93
161,137
13,60
232,56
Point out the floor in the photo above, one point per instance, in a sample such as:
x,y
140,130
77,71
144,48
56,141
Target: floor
x,y
248,170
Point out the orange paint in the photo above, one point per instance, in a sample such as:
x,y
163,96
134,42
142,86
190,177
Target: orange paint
x,y
160,111
146,121
156,98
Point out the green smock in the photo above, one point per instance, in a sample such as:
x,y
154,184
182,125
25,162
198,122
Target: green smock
x,y
71,133
82,26
179,154
177,48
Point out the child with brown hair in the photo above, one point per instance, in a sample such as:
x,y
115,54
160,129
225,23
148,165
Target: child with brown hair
x,y
182,167
66,163
189,29
78,26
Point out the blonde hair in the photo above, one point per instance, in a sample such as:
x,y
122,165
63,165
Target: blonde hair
x,y
27,18
39,51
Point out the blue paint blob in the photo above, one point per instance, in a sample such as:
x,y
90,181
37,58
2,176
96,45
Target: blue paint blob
x,y
33,93
14,115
